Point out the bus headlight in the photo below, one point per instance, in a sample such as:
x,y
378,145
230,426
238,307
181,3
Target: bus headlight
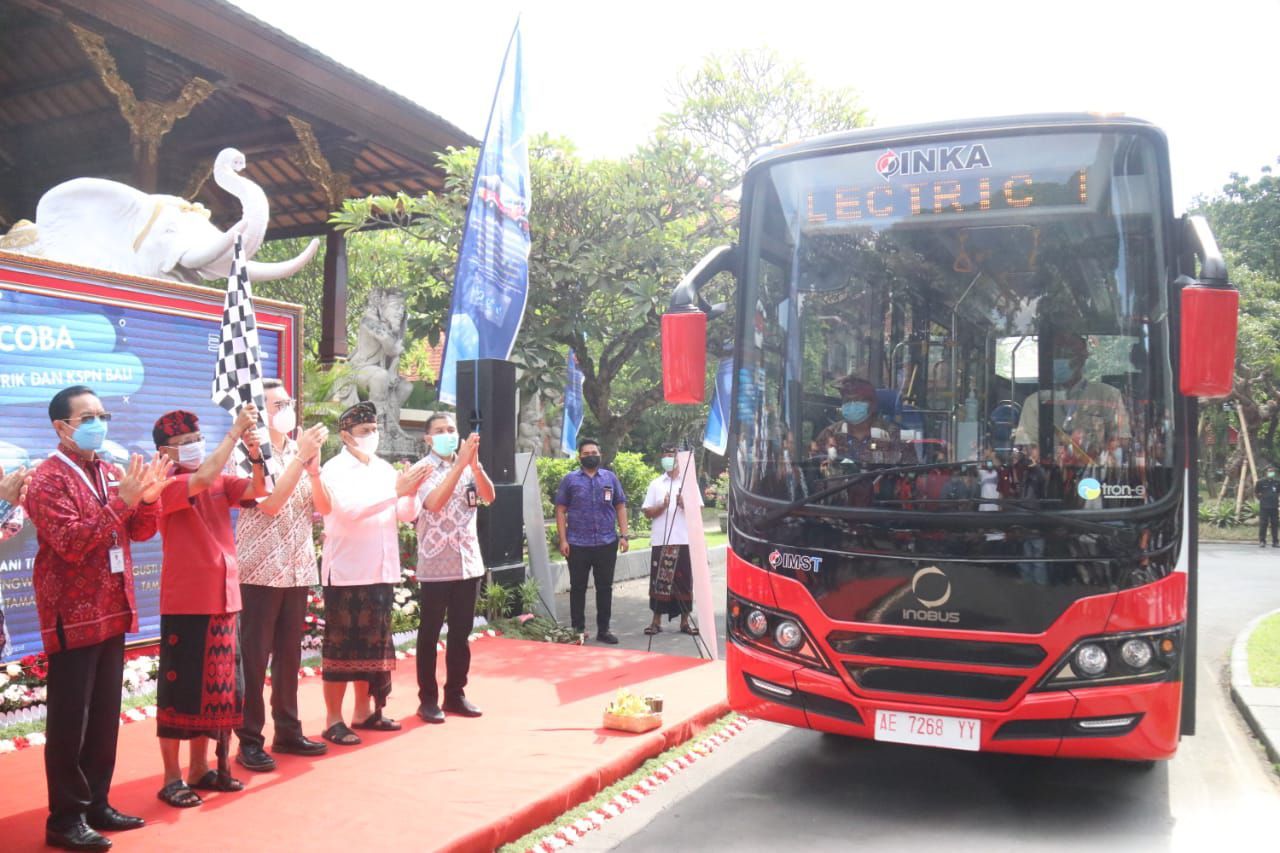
x,y
788,635
774,632
1091,660
1136,653
1135,657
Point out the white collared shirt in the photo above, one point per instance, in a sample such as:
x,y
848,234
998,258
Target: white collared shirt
x,y
361,533
667,487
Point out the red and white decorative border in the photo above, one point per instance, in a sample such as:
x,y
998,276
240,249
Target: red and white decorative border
x,y
633,796
148,712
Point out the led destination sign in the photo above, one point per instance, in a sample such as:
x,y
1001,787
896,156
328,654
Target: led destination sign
x,y
920,194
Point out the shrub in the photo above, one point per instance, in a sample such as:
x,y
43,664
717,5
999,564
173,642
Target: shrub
x,y
632,471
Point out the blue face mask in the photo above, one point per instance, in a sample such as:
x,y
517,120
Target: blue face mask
x,y
668,462
444,443
1062,371
90,435
856,411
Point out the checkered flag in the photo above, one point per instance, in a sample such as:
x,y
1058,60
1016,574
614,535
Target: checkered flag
x,y
237,375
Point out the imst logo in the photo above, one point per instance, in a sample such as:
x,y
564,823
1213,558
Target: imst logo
x,y
924,161
795,562
932,588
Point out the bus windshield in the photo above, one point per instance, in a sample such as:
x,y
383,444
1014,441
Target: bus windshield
x,y
977,325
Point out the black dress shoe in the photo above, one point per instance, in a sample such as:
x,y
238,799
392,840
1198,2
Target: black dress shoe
x,y
606,637
110,820
253,757
300,745
460,706
431,713
76,837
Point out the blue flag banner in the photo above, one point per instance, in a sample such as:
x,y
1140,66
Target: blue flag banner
x,y
572,406
716,438
491,284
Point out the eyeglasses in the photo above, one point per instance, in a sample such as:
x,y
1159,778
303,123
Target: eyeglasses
x,y
283,405
105,417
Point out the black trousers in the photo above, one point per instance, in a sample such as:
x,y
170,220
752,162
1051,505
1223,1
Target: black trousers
x,y
439,602
1268,517
271,627
81,729
586,561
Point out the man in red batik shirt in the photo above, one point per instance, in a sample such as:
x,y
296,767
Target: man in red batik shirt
x,y
85,512
200,692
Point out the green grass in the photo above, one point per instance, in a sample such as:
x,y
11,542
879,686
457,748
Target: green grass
x,y
713,540
1264,653
1240,533
644,771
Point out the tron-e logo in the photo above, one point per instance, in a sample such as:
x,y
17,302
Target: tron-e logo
x,y
923,161
923,584
1091,489
795,562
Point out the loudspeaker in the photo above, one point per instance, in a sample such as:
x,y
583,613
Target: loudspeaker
x,y
501,527
487,396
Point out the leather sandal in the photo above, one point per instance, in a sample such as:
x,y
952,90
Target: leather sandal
x,y
217,780
652,629
375,722
179,795
339,734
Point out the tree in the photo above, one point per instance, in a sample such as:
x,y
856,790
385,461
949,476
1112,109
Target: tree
x,y
739,104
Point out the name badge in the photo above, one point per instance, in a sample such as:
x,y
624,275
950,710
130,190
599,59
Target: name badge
x,y
117,560
608,494
473,498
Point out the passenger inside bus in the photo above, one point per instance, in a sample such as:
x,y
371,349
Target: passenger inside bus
x,y
860,436
1089,418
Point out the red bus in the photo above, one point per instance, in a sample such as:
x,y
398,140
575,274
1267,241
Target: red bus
x,y
967,358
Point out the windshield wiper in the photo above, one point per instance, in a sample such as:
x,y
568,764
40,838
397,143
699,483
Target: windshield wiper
x,y
847,480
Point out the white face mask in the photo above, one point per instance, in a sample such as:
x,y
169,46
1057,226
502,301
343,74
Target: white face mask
x,y
284,421
191,455
367,444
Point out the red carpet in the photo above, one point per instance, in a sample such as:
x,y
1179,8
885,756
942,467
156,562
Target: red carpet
x,y
466,785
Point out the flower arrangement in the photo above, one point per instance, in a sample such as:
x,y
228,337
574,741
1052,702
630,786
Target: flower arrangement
x,y
631,713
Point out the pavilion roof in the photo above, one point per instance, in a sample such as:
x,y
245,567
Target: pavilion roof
x,y
83,81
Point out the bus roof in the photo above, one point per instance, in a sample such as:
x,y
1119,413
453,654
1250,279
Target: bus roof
x,y
920,133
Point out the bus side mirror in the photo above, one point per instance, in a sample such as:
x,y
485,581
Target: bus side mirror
x,y
1210,310
684,330
684,356
1209,317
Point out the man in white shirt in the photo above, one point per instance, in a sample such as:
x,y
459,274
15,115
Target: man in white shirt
x,y
670,573
359,571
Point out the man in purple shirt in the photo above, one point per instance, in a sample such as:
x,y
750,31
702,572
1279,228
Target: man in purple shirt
x,y
591,511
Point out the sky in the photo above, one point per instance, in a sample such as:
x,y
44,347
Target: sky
x,y
601,73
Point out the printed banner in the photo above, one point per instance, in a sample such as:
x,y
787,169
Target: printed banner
x,y
716,438
143,354
572,406
491,284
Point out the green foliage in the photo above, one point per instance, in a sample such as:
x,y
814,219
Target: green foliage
x,y
530,595
539,628
493,602
1223,513
738,104
632,471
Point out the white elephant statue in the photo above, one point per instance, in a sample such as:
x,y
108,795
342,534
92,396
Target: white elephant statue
x,y
112,226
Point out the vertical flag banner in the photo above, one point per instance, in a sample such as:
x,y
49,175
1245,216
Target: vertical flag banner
x,y
704,600
491,284
572,406
716,438
237,374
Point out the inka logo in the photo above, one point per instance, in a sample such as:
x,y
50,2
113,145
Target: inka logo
x,y
932,588
1091,489
795,562
925,161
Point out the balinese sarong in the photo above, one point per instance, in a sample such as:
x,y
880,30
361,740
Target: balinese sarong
x,y
200,689
357,637
670,580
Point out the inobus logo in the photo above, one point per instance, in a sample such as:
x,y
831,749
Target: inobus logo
x,y
932,588
1090,488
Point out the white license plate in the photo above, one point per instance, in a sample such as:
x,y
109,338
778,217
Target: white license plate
x,y
929,730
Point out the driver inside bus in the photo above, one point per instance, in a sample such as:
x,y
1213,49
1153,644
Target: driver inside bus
x,y
860,435
1088,416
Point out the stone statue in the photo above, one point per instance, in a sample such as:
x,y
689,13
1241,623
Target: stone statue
x,y
112,226
375,371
